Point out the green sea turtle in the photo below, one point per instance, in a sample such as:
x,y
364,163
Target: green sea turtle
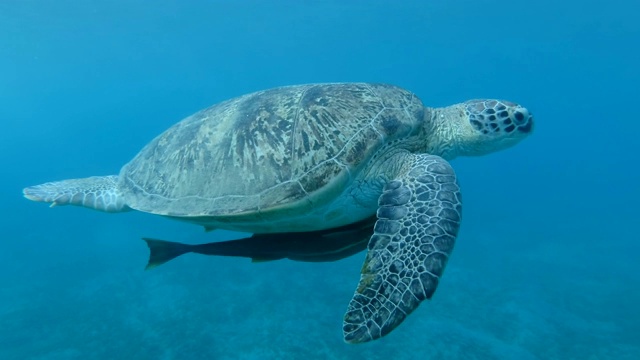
x,y
316,157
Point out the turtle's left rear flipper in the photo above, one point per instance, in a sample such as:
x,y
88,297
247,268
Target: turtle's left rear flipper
x,y
96,192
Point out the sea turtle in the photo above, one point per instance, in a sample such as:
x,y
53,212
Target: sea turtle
x,y
316,157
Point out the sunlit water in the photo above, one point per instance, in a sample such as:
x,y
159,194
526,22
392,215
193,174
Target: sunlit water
x,y
546,265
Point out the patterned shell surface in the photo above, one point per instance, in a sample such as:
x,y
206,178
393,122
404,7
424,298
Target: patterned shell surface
x,y
293,148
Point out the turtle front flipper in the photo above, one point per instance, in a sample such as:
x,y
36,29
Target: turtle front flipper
x,y
98,192
418,220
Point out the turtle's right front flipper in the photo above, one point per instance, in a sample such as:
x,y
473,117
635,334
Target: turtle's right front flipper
x,y
98,192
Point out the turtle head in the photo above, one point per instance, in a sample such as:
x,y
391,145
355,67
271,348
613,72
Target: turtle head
x,y
478,127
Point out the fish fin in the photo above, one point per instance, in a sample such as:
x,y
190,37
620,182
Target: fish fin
x,y
258,259
209,228
161,251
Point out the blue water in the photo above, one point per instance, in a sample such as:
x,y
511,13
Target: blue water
x,y
546,265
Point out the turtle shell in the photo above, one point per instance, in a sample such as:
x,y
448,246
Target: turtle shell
x,y
271,152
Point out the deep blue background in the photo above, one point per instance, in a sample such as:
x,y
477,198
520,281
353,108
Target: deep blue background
x,y
546,265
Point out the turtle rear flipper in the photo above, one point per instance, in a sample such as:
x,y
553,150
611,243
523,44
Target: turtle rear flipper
x,y
418,219
97,192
